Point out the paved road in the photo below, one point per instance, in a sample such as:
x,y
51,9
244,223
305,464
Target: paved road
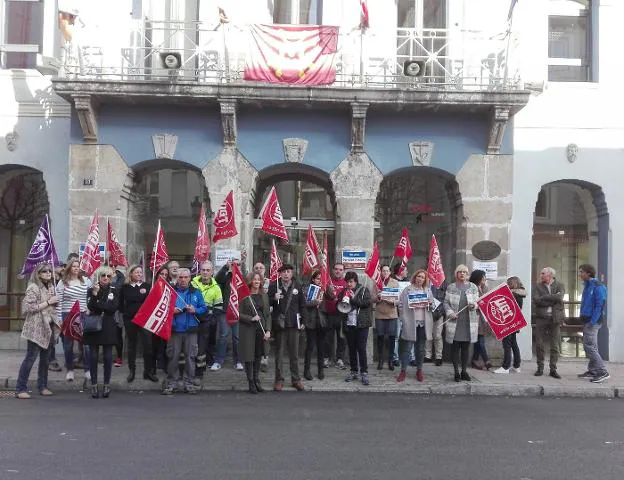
x,y
311,435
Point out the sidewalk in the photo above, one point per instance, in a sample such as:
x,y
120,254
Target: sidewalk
x,y
438,380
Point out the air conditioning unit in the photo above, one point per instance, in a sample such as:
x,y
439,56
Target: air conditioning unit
x,y
414,68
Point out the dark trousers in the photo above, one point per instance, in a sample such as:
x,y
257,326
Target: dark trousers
x,y
119,344
108,363
32,351
464,347
357,339
480,350
546,329
380,348
334,340
314,337
289,338
138,335
206,344
510,344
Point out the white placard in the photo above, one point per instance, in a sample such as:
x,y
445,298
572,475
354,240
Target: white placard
x,y
222,255
490,269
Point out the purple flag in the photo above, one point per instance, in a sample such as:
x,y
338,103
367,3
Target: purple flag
x,y
42,250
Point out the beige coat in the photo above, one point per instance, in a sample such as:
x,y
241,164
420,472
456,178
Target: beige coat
x,y
386,310
39,325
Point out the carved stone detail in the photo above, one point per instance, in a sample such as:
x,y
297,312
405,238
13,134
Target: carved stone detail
x,y
421,153
164,145
85,108
358,126
294,149
11,140
228,122
572,152
500,117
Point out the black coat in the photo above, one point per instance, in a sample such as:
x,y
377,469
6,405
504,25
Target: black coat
x,y
106,302
131,298
296,306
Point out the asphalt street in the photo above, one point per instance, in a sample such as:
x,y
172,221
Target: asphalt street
x,y
309,436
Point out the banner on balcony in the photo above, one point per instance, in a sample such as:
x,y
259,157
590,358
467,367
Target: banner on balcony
x,y
293,54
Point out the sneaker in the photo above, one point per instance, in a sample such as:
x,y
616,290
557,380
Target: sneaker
x,y
46,392
215,367
351,377
587,374
118,362
365,379
22,395
239,366
401,377
54,367
264,361
340,364
501,370
326,363
70,376
167,391
419,375
87,375
601,377
515,370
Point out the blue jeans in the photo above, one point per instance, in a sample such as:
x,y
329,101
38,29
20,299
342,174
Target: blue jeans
x,y
408,348
596,365
480,350
224,332
32,351
68,350
396,354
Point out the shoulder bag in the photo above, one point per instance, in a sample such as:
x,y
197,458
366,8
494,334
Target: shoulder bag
x,y
92,323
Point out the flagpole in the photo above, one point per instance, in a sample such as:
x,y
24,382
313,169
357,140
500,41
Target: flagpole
x,y
52,250
256,312
155,253
456,315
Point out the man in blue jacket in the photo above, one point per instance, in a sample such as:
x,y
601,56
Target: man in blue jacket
x,y
592,308
189,307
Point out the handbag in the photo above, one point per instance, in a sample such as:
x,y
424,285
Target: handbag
x,y
92,323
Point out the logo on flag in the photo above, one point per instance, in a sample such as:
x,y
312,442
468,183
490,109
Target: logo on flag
x,y
42,250
238,291
160,255
310,255
272,220
403,250
276,263
325,277
72,324
202,244
364,20
116,255
224,222
91,259
501,311
156,313
373,268
435,271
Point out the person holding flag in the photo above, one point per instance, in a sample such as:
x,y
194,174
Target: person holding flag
x,y
315,323
189,308
334,339
386,318
41,328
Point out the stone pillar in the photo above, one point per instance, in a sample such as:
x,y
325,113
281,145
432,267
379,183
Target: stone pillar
x,y
98,178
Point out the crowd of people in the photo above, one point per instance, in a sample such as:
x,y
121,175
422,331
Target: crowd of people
x,y
411,320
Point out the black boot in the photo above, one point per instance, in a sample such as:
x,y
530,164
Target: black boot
x,y
106,391
95,392
150,375
250,379
306,368
131,375
256,375
380,343
391,364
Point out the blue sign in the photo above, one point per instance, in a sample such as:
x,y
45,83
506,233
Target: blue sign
x,y
354,259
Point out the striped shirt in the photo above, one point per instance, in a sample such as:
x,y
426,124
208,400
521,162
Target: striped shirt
x,y
68,294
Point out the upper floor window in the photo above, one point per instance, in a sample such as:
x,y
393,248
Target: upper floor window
x,y
23,33
421,14
569,41
298,12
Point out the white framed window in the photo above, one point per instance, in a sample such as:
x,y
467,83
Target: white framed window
x,y
298,12
22,33
569,41
421,13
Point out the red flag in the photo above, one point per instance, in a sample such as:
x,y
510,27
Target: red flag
x,y
72,325
295,54
116,256
276,263
501,311
202,244
272,220
238,292
311,253
364,20
373,268
435,271
160,255
91,259
224,222
403,247
156,313
325,277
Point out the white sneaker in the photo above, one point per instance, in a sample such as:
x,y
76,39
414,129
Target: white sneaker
x,y
87,375
501,370
215,367
515,370
264,361
340,364
239,366
70,376
326,363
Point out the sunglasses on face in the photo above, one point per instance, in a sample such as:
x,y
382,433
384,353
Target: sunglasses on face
x,y
107,275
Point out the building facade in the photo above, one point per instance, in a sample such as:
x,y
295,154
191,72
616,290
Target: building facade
x,y
445,149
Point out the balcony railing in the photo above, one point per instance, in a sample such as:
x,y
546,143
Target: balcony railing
x,y
454,59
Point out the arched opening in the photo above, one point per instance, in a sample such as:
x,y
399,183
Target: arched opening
x,y
427,201
571,227
307,198
23,205
172,192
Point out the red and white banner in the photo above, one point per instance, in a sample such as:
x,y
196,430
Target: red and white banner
x,y
116,255
225,222
272,219
202,244
373,268
364,19
311,253
501,311
72,324
403,250
294,54
435,271
160,255
238,292
325,277
156,313
276,263
91,259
